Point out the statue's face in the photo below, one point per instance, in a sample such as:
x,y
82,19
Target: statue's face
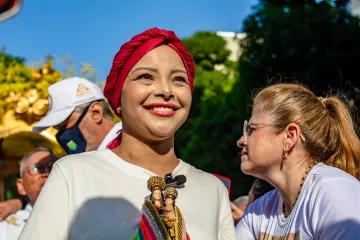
x,y
156,195
169,201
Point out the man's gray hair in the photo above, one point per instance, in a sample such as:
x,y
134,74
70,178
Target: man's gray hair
x,y
27,156
104,104
242,199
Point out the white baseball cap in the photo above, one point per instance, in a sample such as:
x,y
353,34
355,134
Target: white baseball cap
x,y
64,97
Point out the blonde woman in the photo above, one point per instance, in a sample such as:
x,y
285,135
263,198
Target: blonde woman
x,y
307,148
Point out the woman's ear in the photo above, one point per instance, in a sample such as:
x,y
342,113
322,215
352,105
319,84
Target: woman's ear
x,y
292,134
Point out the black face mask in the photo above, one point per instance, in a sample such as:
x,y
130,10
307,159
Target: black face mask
x,y
72,140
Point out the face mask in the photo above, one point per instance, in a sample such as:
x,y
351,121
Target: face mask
x,y
72,140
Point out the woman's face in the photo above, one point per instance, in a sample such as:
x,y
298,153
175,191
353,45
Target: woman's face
x,y
262,148
156,97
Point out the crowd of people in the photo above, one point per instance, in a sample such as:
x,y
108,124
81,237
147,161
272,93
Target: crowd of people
x,y
302,149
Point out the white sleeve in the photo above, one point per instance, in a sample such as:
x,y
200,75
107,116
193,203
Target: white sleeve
x,y
226,228
49,217
336,210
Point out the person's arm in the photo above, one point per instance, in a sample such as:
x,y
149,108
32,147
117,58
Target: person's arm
x,y
9,207
49,217
226,227
236,212
336,210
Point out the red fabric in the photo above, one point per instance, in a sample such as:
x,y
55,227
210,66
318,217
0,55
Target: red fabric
x,y
131,52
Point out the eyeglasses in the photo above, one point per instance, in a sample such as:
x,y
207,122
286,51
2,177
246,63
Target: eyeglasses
x,y
248,130
43,166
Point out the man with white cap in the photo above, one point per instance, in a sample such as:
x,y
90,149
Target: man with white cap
x,y
77,108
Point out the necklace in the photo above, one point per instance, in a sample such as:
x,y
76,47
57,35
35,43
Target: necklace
x,y
311,165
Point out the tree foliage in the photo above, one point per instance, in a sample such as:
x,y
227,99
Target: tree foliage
x,y
315,42
203,139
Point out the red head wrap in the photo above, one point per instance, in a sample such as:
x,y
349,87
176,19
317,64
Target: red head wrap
x,y
131,52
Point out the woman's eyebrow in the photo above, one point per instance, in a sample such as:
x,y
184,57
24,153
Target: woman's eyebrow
x,y
145,68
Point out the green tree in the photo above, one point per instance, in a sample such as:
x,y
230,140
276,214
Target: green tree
x,y
315,42
198,141
207,49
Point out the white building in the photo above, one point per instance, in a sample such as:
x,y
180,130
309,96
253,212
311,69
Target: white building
x,y
232,43
355,7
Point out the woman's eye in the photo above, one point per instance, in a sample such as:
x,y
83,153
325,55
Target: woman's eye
x,y
145,77
252,130
180,79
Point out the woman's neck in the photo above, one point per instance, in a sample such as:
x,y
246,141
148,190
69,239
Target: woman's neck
x,y
288,181
157,157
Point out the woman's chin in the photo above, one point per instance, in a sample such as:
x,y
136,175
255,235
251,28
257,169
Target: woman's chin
x,y
162,133
245,166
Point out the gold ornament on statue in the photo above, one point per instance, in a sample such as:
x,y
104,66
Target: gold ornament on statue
x,y
171,192
156,182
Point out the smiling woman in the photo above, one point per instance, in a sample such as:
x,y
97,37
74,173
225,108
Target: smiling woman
x,y
104,195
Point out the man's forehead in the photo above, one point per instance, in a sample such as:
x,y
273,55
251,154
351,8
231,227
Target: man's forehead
x,y
36,157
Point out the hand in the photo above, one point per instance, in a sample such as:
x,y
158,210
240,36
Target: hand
x,y
236,212
9,207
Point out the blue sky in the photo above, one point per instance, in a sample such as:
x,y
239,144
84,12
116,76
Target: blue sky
x,y
92,32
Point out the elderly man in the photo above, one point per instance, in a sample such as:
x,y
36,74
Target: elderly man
x,y
77,108
34,171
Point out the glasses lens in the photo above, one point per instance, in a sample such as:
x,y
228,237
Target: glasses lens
x,y
44,167
33,170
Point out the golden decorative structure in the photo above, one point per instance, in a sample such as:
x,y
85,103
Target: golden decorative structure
x,y
22,111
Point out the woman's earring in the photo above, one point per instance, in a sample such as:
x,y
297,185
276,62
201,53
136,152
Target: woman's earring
x,y
285,155
118,110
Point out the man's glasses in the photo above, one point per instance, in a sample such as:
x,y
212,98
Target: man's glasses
x,y
43,166
248,130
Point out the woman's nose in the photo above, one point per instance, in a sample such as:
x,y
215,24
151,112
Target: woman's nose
x,y
241,143
164,90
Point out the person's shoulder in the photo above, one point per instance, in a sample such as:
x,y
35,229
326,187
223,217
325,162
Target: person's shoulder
x,y
330,184
81,162
331,177
202,176
81,158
